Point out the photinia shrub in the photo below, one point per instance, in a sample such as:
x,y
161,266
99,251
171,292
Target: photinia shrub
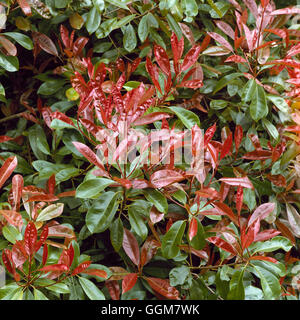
x,y
152,152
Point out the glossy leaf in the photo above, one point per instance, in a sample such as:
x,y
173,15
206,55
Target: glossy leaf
x,y
131,247
7,169
129,281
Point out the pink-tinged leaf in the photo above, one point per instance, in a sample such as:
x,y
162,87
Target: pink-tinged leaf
x,y
239,199
192,84
64,34
19,255
188,33
261,212
238,137
25,7
286,62
207,192
238,182
150,118
221,40
293,51
7,169
17,187
113,288
191,57
163,178
45,43
162,59
252,6
55,267
163,287
43,238
291,10
95,272
266,235
285,231
47,116
12,217
61,231
226,147
155,215
81,267
235,58
131,247
262,258
193,228
79,45
225,27
153,72
129,281
222,244
6,254
249,37
140,184
30,238
90,156
294,219
71,193
177,49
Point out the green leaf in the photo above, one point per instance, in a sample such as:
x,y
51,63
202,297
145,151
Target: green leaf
x,y
143,28
38,295
237,290
191,8
20,38
272,130
271,245
66,174
9,63
118,4
90,289
259,107
226,80
50,87
269,282
249,198
249,90
8,290
187,117
11,233
198,242
76,292
93,20
136,214
129,39
92,187
174,25
59,288
157,199
102,212
50,212
279,102
172,239
116,234
179,275
215,8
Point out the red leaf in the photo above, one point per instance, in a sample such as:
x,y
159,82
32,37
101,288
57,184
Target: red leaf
x,y
113,289
155,215
207,193
148,250
162,59
225,27
193,228
193,84
96,272
7,262
251,4
51,184
71,193
55,267
285,231
7,169
5,138
261,212
90,156
285,62
226,210
278,180
25,7
188,33
153,72
239,199
164,178
12,217
291,10
131,247
258,155
30,238
43,238
222,244
238,182
64,34
226,147
19,254
45,43
209,133
235,58
62,117
191,57
251,234
79,45
163,287
263,259
177,49
45,254
150,118
205,43
129,281
43,197
238,137
81,267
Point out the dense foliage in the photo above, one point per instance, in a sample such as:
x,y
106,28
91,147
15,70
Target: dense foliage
x,y
99,101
